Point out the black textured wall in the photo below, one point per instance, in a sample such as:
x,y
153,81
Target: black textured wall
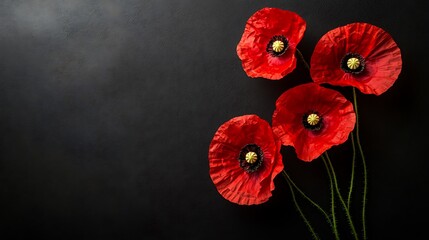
x,y
107,109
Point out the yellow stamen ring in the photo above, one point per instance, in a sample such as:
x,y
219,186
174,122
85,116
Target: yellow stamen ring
x,y
278,46
251,157
312,119
353,63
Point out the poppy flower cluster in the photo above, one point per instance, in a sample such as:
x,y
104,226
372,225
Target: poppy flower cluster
x,y
244,154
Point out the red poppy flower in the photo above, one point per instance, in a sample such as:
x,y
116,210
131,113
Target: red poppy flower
x,y
359,55
312,119
244,158
268,44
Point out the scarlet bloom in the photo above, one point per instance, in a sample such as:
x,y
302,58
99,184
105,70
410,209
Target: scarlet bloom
x,y
359,55
312,119
268,44
244,159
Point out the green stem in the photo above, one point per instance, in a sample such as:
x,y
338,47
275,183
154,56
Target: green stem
x,y
303,59
301,213
308,198
334,220
349,218
353,171
365,177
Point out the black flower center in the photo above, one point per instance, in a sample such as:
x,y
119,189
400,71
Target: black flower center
x,y
353,63
312,121
251,158
277,46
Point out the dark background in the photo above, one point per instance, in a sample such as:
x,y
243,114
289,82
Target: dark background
x,y
107,109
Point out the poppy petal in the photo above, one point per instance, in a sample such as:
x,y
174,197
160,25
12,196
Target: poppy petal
x,y
336,113
381,54
231,180
260,28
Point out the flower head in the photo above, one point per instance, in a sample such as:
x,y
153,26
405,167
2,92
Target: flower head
x,y
359,55
244,159
312,119
268,44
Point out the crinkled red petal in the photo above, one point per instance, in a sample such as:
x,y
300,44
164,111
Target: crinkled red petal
x,y
231,181
383,61
338,119
259,30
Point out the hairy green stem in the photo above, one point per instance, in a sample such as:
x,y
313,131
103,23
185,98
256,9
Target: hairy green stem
x,y
308,198
301,213
303,59
331,186
349,218
365,177
353,171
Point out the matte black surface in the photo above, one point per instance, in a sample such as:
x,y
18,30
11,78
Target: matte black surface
x,y
107,109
